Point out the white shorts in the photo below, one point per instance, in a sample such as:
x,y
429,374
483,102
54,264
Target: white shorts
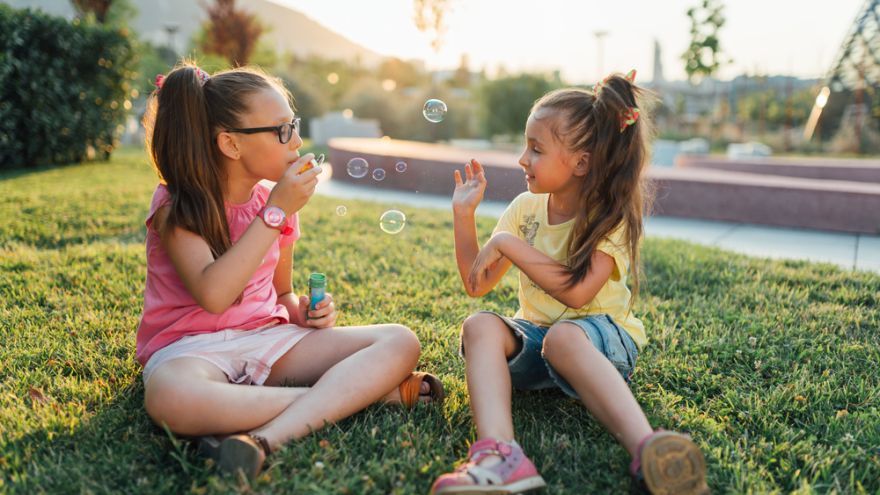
x,y
246,356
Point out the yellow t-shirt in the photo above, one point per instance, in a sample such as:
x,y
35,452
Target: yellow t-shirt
x,y
526,218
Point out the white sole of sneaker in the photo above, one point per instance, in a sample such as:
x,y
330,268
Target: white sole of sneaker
x,y
522,486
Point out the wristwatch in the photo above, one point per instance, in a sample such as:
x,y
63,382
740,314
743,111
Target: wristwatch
x,y
275,218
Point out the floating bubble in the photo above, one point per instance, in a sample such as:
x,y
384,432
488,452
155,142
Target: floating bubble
x,y
357,167
379,174
341,210
392,221
320,160
400,167
434,110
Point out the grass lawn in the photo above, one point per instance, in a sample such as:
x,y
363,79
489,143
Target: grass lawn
x,y
771,365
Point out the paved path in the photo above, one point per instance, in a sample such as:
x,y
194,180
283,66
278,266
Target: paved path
x,y
850,251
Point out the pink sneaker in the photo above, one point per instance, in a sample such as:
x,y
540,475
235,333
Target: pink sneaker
x,y
514,474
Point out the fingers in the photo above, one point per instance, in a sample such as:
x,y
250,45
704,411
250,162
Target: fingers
x,y
323,303
325,322
458,181
318,313
323,316
474,275
309,174
303,161
305,164
468,171
323,309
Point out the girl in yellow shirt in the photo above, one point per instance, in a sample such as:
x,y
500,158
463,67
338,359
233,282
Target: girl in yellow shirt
x,y
575,238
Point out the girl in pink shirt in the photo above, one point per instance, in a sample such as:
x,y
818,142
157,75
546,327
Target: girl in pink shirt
x,y
219,312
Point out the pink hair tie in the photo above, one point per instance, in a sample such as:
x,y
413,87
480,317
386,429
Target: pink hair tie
x,y
160,79
202,75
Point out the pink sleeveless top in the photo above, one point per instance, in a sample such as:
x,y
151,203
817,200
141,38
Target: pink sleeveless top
x,y
170,312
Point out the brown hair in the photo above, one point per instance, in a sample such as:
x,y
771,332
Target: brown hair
x,y
613,191
182,122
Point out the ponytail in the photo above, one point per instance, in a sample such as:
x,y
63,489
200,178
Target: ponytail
x,y
609,125
182,117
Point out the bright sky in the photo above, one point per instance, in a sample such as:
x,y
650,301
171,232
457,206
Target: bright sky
x,y
798,37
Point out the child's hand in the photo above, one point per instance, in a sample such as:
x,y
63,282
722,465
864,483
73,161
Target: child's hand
x,y
468,194
323,316
486,260
294,189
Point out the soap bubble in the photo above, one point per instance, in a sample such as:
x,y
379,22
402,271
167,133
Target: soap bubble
x,y
400,167
341,210
392,221
357,167
434,110
379,174
320,160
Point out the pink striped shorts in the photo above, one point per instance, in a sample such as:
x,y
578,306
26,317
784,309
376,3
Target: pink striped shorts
x,y
246,356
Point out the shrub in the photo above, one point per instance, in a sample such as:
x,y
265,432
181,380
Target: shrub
x,y
64,87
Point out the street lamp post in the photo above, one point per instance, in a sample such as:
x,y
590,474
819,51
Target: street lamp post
x,y
600,35
171,28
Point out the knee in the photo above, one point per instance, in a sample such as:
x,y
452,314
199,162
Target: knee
x,y
404,340
560,339
478,326
484,329
164,403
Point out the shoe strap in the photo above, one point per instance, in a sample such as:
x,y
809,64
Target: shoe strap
x,y
511,455
262,442
636,464
488,446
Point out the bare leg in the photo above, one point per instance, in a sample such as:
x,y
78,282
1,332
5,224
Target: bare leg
x,y
488,342
598,384
350,368
193,397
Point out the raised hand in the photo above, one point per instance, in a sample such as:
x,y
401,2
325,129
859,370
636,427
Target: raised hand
x,y
469,193
293,189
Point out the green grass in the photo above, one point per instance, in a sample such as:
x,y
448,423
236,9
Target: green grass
x,y
771,365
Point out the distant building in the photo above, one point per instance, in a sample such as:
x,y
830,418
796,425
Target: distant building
x,y
658,78
706,96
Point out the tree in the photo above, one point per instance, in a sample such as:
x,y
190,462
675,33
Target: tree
x,y
506,102
404,73
462,76
703,56
229,32
99,8
430,19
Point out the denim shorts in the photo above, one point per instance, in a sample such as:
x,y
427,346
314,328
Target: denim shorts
x,y
529,370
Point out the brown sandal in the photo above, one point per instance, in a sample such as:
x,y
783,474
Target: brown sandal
x,y
410,389
672,464
241,452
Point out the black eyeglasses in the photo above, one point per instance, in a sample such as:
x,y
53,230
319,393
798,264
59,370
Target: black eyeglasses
x,y
284,131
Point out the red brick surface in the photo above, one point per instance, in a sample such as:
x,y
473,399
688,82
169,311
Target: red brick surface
x,y
799,198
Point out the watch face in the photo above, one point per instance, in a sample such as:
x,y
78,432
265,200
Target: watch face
x,y
273,216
